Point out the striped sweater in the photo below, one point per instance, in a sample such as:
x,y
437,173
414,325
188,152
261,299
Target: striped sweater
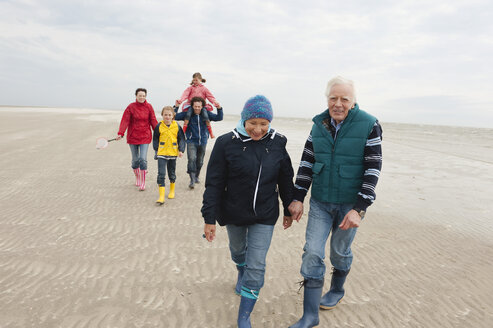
x,y
372,164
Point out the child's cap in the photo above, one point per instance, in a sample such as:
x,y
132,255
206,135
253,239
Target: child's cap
x,y
257,107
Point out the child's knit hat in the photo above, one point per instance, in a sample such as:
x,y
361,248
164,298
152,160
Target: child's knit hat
x,y
257,107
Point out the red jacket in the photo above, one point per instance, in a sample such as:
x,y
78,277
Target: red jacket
x,y
140,120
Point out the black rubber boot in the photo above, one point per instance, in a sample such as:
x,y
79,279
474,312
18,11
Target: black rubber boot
x,y
336,291
311,302
246,308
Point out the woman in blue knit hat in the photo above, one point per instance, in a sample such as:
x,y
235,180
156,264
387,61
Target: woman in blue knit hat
x,y
248,168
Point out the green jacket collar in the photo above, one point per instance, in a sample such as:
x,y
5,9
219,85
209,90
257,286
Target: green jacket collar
x,y
325,114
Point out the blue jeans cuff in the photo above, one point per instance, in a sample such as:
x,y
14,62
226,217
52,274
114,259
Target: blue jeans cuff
x,y
249,293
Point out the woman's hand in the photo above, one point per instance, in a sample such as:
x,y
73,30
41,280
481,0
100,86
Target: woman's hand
x,y
210,232
287,221
177,103
118,138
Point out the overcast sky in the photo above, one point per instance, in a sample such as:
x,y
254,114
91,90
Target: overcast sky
x,y
412,61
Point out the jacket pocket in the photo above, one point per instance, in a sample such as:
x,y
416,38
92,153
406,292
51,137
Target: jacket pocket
x,y
317,167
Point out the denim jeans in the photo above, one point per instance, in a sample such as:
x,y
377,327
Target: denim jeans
x,y
249,245
162,164
139,156
322,218
203,114
195,154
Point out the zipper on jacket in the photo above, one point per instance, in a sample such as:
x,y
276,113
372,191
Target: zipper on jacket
x,y
256,190
198,125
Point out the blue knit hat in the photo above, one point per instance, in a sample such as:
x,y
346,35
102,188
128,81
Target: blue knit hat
x,y
257,107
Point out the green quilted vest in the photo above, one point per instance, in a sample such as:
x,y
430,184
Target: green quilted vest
x,y
338,168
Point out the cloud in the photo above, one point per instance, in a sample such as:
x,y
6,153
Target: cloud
x,y
95,53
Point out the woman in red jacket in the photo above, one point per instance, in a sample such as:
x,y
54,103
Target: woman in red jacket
x,y
140,120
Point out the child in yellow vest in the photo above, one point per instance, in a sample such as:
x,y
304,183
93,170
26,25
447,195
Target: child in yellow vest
x,y
168,142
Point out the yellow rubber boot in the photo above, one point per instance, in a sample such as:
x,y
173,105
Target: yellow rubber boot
x,y
161,195
171,190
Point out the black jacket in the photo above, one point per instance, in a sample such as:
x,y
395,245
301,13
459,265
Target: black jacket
x,y
244,178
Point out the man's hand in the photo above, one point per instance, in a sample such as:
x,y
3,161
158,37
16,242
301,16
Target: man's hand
x,y
287,221
210,232
177,103
180,154
118,138
296,210
351,220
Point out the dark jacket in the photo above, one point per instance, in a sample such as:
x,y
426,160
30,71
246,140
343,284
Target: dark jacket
x,y
244,178
197,132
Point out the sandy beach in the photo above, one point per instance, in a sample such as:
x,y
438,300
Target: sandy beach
x,y
80,246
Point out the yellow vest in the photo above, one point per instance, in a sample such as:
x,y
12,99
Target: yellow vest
x,y
168,139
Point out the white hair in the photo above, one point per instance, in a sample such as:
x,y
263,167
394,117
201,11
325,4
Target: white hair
x,y
340,80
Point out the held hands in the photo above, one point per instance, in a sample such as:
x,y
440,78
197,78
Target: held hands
x,y
351,220
210,232
287,221
296,210
217,105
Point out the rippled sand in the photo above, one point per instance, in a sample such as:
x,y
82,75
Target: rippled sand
x,y
80,246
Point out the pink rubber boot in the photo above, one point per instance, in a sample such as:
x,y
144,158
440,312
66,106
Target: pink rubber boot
x,y
142,186
137,176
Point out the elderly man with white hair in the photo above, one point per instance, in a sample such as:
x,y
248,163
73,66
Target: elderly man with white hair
x,y
341,161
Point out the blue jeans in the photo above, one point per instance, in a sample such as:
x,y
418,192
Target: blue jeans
x,y
322,218
195,154
248,246
139,156
203,114
162,164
